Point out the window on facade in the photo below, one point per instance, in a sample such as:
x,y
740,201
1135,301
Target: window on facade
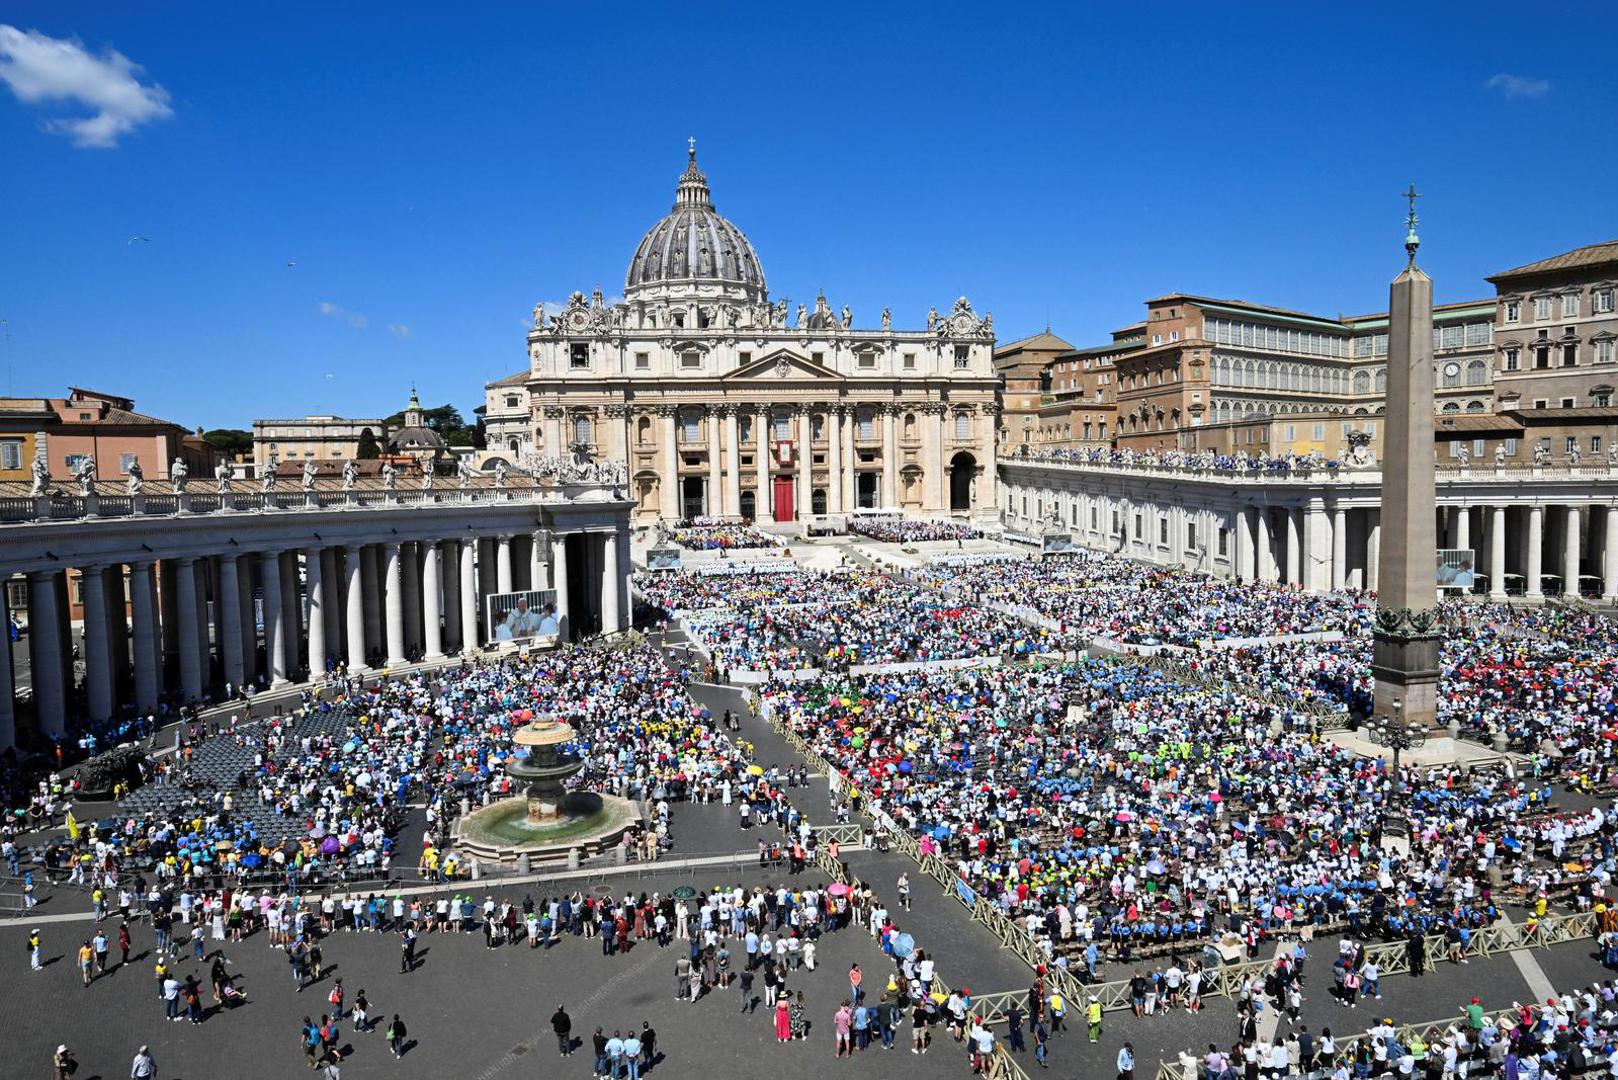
x,y
643,361
1570,443
1604,351
581,430
691,358
1542,358
1452,336
126,460
1140,525
1319,432
1163,530
963,425
744,358
867,360
579,355
1542,307
1601,301
1477,373
1595,444
744,429
961,356
1512,361
643,430
1601,398
679,318
511,401
1570,306
1513,311
865,424
690,426
910,361
817,428
1477,449
1570,355
1567,403
1541,403
10,453
514,445
1450,407
782,424
1479,333
1510,446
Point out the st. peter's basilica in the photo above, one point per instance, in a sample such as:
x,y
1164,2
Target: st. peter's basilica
x,y
725,404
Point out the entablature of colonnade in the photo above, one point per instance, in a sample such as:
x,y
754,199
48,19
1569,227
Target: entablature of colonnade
x,y
53,544
1489,485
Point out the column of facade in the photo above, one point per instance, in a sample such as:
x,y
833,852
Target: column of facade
x,y
806,465
715,503
97,645
393,600
761,459
168,594
834,459
1316,546
331,572
559,576
449,580
669,483
1570,551
890,457
933,430
228,620
851,488
432,627
1497,552
502,564
468,593
276,627
732,500
145,635
1536,553
314,582
47,657
1265,534
626,599
1609,557
185,593
986,492
611,607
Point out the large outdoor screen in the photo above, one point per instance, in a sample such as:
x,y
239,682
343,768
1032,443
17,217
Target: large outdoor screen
x,y
522,616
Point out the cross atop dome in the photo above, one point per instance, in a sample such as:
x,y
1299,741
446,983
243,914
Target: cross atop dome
x,y
693,189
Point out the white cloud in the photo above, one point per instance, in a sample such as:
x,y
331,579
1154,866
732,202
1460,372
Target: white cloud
x,y
40,69
399,329
1519,86
354,319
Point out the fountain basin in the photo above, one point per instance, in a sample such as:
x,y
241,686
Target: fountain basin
x,y
506,830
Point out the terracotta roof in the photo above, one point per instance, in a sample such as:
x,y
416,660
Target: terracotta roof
x,y
1042,340
517,379
1591,255
1449,423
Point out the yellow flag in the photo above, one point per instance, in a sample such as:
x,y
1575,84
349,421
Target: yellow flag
x,y
72,826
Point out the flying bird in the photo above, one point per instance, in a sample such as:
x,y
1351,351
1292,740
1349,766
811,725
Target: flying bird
x,y
142,239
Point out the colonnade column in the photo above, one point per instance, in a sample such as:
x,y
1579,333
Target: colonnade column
x,y
1536,553
1266,546
145,634
248,623
8,687
1373,552
1463,527
1497,552
1570,551
354,608
1294,546
611,615
314,582
469,597
48,663
715,502
733,463
1339,548
393,600
228,619
371,597
559,577
332,574
1317,547
890,457
933,420
292,615
410,595
669,485
185,579
275,625
539,571
432,631
1244,543
502,564
97,644
1609,557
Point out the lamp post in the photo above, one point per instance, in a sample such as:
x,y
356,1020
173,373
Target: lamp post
x,y
1397,735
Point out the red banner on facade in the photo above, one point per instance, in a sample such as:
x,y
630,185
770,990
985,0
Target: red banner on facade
x,y
783,452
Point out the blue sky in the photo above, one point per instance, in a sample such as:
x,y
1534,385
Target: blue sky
x,y
433,179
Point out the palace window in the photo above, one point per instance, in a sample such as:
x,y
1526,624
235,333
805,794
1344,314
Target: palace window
x,y
867,360
910,361
865,424
10,453
1512,360
1604,351
1570,306
782,423
1570,356
690,426
126,460
1542,307
511,401
1542,357
1601,299
963,425
1513,311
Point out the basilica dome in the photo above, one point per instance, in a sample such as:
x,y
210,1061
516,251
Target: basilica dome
x,y
694,245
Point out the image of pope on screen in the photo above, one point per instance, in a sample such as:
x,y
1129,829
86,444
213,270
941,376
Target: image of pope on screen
x,y
522,616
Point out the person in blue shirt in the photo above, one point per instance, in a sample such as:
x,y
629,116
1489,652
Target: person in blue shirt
x,y
615,1055
632,1048
1126,1062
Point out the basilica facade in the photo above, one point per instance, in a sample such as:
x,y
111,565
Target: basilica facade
x,y
725,404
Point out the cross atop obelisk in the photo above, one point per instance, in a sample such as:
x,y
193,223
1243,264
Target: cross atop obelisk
x,y
1405,656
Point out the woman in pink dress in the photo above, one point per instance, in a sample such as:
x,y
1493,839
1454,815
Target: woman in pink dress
x,y
783,1019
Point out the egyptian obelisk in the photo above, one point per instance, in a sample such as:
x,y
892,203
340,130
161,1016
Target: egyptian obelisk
x,y
1405,657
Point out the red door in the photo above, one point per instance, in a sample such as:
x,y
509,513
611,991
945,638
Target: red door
x,y
783,498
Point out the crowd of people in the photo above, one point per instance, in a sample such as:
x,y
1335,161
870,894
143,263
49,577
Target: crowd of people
x,y
1204,460
902,530
1110,810
713,534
